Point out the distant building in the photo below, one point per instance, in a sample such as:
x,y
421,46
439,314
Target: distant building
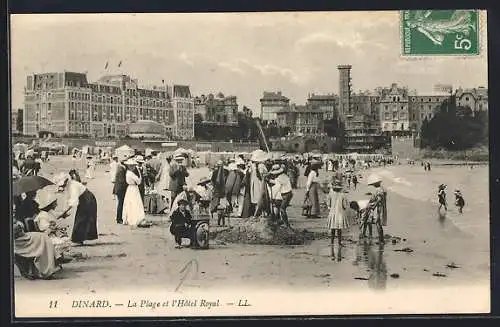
x,y
345,85
13,122
394,112
476,99
304,119
423,107
183,106
270,104
362,134
65,103
328,103
218,109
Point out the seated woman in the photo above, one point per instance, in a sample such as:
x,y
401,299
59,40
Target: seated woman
x,y
48,222
185,195
34,253
181,222
203,191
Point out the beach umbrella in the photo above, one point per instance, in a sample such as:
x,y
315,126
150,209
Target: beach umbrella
x,y
29,184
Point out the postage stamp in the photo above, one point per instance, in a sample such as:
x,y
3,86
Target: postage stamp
x,y
440,32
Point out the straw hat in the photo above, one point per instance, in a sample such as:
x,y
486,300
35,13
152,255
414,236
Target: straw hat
x,y
373,179
44,198
315,162
219,163
259,156
180,156
61,178
457,191
276,169
232,166
130,162
139,158
240,162
204,180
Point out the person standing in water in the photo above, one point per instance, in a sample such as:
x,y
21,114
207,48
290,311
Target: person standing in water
x,y
459,200
442,197
337,218
378,207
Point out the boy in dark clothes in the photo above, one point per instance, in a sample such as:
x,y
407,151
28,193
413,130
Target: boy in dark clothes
x,y
459,200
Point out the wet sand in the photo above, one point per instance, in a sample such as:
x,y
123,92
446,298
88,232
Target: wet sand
x,y
127,259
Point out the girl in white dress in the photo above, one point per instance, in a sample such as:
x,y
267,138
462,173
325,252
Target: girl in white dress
x,y
133,208
337,217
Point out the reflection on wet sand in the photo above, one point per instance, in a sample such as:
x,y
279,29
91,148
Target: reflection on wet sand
x,y
372,256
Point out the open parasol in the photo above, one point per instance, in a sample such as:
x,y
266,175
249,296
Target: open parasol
x,y
29,184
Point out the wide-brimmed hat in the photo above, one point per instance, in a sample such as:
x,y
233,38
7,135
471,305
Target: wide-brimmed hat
x,y
373,179
240,162
130,162
219,163
259,156
44,198
61,178
139,158
232,166
442,186
315,162
457,191
204,180
182,201
180,156
276,169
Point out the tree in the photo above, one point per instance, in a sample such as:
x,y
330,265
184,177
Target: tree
x,y
454,128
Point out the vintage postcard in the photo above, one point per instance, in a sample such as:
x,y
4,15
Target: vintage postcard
x,y
246,164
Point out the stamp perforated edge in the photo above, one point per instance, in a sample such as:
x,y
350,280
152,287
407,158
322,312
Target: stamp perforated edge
x,y
482,21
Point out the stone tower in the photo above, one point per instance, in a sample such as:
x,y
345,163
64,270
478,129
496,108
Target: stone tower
x,y
344,91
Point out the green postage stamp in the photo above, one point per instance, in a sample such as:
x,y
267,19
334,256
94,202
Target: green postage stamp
x,y
440,32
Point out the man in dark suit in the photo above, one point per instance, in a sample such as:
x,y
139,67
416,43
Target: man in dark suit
x,y
178,174
119,189
140,170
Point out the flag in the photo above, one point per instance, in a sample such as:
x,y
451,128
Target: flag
x,y
106,66
120,63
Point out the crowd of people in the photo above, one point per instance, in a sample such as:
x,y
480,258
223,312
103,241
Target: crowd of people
x,y
238,187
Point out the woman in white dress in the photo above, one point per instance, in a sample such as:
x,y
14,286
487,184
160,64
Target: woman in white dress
x,y
133,208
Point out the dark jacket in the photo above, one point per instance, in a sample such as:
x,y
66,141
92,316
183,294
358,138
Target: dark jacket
x,y
219,176
141,172
179,220
178,174
120,185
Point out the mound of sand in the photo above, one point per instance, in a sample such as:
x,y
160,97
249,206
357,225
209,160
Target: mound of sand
x,y
262,231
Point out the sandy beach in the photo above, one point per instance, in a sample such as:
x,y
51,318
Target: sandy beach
x,y
434,252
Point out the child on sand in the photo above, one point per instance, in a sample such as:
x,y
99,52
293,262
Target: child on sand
x,y
459,200
442,197
337,217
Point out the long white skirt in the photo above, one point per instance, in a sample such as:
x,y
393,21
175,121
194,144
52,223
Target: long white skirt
x,y
133,208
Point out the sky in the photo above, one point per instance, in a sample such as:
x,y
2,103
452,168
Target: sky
x,y
241,54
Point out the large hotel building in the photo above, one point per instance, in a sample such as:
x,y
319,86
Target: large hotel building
x,y
65,103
